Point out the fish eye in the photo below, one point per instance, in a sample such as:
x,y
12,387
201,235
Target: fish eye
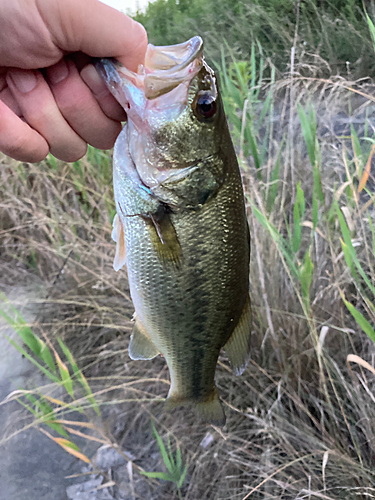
x,y
205,106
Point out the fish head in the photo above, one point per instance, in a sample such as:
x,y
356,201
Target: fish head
x,y
174,109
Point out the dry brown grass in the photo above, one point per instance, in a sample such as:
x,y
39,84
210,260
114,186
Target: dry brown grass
x,y
299,424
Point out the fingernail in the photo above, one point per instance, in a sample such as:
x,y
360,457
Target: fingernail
x,y
24,80
94,81
58,72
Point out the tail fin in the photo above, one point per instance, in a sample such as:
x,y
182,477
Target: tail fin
x,y
209,410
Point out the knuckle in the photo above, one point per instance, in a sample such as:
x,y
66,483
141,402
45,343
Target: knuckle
x,y
70,108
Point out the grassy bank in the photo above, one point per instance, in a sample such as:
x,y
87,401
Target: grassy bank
x,y
301,418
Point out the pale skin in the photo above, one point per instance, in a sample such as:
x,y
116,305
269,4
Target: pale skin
x,y
52,100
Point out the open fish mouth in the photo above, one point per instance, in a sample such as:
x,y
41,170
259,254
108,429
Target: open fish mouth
x,y
167,67
164,69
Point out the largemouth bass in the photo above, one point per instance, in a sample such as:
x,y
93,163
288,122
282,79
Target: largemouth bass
x,y
181,226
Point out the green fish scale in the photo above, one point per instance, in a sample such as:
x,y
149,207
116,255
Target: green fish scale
x,y
190,310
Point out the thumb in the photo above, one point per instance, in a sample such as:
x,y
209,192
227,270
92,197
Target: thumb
x,y
98,30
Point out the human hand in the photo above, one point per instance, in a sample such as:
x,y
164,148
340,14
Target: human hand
x,y
51,97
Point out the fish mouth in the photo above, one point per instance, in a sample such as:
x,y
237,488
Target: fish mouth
x,y
164,69
167,67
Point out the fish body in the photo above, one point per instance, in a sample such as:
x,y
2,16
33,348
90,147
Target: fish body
x,y
181,226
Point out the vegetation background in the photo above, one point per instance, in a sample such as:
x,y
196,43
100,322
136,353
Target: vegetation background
x,y
296,79
335,30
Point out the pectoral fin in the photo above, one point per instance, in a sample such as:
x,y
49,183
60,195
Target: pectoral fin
x,y
163,235
118,236
141,346
238,345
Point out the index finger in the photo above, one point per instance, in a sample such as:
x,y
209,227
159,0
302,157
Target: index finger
x,y
18,140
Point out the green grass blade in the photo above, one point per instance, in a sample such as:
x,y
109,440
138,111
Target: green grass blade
x,y
274,179
318,189
298,215
308,133
33,342
300,199
353,256
253,66
162,449
65,378
24,332
296,228
371,29
315,211
80,377
278,239
265,108
46,372
260,78
182,477
157,475
171,457
253,148
349,261
29,408
306,276
47,411
178,459
355,140
46,356
363,323
70,444
372,232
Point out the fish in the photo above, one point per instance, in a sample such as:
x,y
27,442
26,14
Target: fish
x,y
181,227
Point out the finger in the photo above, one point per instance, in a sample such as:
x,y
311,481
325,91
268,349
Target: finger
x,y
7,98
97,30
79,107
100,90
40,110
18,140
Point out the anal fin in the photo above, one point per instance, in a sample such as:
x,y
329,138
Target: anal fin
x,y
238,345
141,346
